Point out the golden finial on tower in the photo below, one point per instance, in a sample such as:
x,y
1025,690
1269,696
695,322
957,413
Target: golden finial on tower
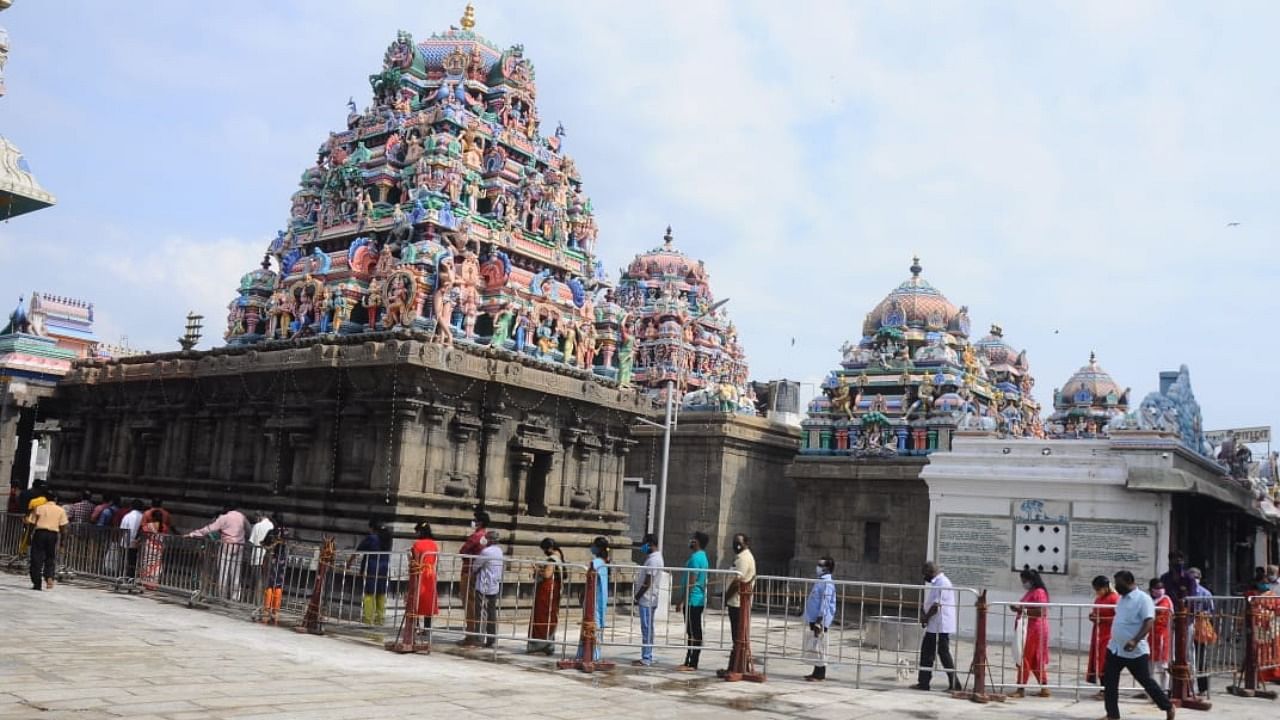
x,y
468,21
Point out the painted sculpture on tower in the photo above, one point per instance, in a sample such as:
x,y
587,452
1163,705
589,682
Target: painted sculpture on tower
x,y
914,377
442,207
1087,404
683,339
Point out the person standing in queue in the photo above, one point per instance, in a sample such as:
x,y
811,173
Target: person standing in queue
x,y
744,563
820,612
691,598
939,623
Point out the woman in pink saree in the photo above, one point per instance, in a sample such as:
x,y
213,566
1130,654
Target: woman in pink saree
x,y
1031,634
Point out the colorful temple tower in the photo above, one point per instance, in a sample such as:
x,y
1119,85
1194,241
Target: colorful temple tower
x,y
683,337
1087,403
915,376
441,206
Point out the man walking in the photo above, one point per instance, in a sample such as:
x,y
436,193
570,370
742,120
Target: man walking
x,y
488,572
648,584
1202,610
692,599
939,623
47,521
471,548
820,612
1128,649
745,564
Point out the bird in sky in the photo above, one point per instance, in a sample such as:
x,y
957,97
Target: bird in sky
x,y
793,342
1233,224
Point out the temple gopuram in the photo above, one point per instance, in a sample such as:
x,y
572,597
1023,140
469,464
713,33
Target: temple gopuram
x,y
441,207
915,377
683,338
429,334
904,391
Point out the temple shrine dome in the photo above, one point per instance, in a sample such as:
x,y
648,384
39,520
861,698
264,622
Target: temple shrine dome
x,y
917,305
1091,384
666,261
999,354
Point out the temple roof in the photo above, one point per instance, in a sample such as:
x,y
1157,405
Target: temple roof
x,y
917,304
999,354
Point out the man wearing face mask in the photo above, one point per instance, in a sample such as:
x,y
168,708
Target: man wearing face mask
x,y
1128,649
745,564
819,612
693,592
471,547
648,582
939,622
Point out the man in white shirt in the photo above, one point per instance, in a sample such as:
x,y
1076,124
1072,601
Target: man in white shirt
x,y
131,524
648,582
939,622
488,572
257,535
1128,650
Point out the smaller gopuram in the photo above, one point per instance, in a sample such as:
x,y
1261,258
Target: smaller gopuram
x,y
429,333
1087,403
726,471
901,393
683,340
20,193
37,348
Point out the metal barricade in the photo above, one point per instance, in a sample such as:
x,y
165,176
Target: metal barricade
x,y
877,629
1017,646
86,550
690,614
1216,642
12,533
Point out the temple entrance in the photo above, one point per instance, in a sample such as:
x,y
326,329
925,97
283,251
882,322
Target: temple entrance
x,y
535,490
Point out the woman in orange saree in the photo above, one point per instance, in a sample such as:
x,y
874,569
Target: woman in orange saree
x,y
549,577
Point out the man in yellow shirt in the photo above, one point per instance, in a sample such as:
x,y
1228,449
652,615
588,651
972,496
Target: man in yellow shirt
x,y
48,519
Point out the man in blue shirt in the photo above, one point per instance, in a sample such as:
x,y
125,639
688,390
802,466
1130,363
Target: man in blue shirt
x,y
819,612
1128,649
693,594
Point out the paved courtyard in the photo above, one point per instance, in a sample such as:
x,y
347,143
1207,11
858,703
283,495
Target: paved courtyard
x,y
84,653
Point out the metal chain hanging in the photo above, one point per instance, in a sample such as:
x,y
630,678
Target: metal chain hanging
x,y
391,425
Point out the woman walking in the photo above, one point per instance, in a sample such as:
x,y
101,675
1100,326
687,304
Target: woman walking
x,y
1031,630
600,563
549,577
1102,618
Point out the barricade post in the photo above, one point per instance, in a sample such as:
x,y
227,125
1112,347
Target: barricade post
x,y
1183,692
978,668
407,642
741,664
311,622
585,661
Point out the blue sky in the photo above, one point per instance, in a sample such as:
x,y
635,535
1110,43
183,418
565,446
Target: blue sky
x,y
1066,170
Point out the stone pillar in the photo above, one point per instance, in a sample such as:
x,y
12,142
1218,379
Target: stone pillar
x,y
520,465
15,444
433,463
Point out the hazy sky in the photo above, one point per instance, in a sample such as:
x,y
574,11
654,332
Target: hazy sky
x,y
1065,170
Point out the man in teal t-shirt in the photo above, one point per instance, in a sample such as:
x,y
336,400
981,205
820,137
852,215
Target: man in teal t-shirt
x,y
693,592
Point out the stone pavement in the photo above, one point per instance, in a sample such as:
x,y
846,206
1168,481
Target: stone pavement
x,y
85,653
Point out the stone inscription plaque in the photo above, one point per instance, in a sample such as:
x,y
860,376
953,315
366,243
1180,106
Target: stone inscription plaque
x,y
1101,547
974,550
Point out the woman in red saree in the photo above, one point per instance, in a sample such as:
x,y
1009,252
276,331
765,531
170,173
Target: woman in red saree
x,y
1031,630
1101,618
1160,632
549,577
427,554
